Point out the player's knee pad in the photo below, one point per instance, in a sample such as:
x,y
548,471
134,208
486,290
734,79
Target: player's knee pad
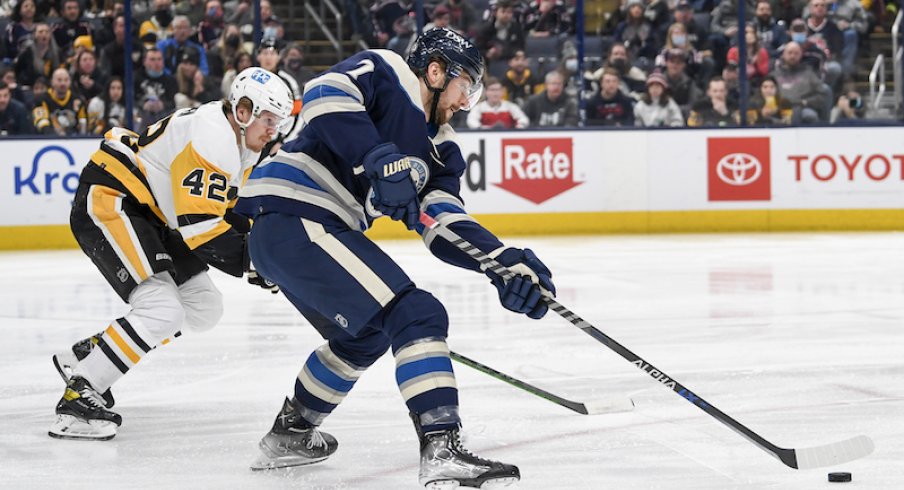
x,y
203,303
157,305
416,314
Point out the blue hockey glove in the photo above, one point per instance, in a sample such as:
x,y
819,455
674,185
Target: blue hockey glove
x,y
390,176
262,282
523,293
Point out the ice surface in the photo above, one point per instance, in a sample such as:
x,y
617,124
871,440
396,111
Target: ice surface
x,y
798,336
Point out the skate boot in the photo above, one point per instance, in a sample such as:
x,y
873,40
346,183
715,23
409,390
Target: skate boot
x,y
81,414
293,442
65,362
445,464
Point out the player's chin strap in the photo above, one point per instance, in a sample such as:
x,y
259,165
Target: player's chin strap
x,y
242,126
437,92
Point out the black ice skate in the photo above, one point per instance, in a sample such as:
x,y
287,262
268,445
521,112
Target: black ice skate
x,y
81,414
293,442
445,464
65,362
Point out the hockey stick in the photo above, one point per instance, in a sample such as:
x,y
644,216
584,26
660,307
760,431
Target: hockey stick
x,y
589,408
804,458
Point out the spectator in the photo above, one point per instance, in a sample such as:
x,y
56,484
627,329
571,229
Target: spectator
x,y
70,26
21,29
757,57
439,19
384,14
768,107
850,107
155,91
293,64
772,34
552,107
659,13
174,47
88,81
547,18
697,35
403,35
636,32
820,26
610,107
17,92
850,18
14,118
39,59
39,88
241,61
813,55
724,28
194,88
494,112
519,81
699,65
211,28
272,25
221,55
106,111
269,59
716,109
684,90
242,14
632,78
112,56
656,108
462,16
159,26
502,35
801,86
732,81
60,111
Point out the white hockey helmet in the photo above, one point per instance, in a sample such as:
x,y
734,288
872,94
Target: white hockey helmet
x,y
267,92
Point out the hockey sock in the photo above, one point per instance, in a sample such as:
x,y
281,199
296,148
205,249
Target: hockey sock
x,y
323,383
425,378
120,347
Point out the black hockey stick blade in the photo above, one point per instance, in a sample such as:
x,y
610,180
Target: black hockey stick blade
x,y
589,408
805,458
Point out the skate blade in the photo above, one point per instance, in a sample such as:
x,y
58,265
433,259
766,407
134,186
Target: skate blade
x,y
65,362
264,462
487,485
74,428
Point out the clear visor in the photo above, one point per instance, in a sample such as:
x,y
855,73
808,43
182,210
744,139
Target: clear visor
x,y
473,91
272,121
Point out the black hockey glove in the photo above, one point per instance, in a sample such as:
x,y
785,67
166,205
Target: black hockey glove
x,y
262,282
390,176
524,292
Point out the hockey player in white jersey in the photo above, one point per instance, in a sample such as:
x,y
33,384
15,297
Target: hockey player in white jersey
x,y
152,211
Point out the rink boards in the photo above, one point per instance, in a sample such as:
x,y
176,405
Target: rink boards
x,y
577,181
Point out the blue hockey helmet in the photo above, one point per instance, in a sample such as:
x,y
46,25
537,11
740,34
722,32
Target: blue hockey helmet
x,y
456,52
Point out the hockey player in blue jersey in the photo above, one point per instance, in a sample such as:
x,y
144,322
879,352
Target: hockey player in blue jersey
x,y
377,142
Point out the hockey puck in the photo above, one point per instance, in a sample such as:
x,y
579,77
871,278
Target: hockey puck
x,y
839,477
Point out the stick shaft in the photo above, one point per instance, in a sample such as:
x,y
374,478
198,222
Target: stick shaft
x,y
786,456
517,383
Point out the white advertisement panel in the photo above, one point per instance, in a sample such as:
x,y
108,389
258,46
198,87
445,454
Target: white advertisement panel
x,y
581,171
39,178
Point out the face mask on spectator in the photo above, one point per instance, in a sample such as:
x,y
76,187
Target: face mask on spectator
x,y
232,41
270,33
571,65
294,64
679,40
213,13
619,64
154,73
799,37
164,17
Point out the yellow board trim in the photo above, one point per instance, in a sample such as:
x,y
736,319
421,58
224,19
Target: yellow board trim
x,y
59,236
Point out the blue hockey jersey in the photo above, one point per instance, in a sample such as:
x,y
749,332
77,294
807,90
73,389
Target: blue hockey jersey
x,y
371,98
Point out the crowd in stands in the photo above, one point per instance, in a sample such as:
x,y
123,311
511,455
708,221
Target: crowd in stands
x,y
666,62
655,63
63,61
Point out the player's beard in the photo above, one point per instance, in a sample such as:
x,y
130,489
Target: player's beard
x,y
442,113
